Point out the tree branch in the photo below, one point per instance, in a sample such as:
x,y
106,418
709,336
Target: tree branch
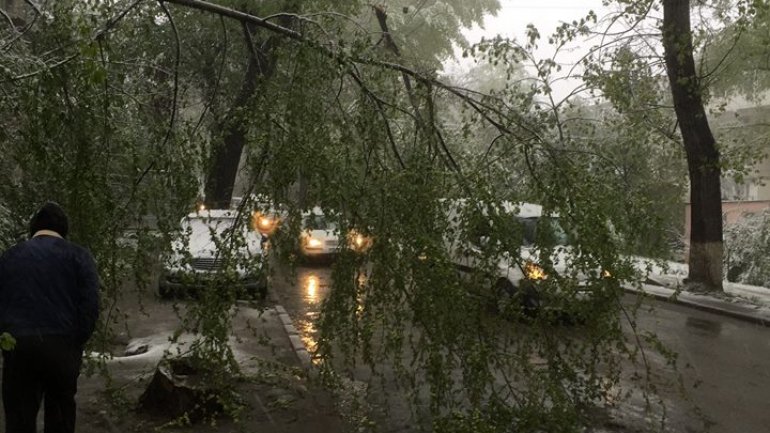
x,y
210,102
10,21
109,25
378,103
177,59
33,6
20,34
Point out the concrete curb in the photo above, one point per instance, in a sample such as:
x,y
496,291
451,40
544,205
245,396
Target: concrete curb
x,y
300,350
296,342
705,303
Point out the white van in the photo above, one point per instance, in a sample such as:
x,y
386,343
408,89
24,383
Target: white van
x,y
198,260
512,273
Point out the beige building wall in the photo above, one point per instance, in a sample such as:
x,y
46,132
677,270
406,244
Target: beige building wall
x,y
745,130
732,212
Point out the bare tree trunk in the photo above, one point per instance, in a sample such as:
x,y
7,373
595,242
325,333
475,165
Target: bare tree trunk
x,y
706,246
226,157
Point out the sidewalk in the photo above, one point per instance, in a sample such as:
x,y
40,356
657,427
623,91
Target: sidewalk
x,y
278,397
740,301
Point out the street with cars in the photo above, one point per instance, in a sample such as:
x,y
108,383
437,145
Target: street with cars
x,y
715,379
719,384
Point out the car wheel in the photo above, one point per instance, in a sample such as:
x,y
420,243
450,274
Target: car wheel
x,y
502,292
505,293
530,302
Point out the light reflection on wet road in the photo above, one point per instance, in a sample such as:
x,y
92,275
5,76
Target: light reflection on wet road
x,y
725,362
302,295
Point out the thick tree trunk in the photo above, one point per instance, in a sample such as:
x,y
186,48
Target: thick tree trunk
x,y
227,156
705,258
179,389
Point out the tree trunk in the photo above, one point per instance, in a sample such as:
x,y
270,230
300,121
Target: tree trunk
x,y
178,389
705,258
227,156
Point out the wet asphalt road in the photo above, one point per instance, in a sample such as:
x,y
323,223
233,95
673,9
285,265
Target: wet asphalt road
x,y
724,363
302,292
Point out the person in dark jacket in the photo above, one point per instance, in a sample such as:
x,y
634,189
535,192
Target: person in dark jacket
x,y
49,304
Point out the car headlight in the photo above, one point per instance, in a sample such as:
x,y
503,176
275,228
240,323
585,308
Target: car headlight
x,y
264,224
311,242
534,272
358,241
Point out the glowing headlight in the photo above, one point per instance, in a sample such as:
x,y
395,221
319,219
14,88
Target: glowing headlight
x,y
534,272
359,242
265,222
311,242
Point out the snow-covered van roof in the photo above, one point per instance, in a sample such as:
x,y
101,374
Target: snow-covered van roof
x,y
520,209
523,210
213,213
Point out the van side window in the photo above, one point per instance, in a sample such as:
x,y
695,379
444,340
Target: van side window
x,y
317,222
548,228
530,230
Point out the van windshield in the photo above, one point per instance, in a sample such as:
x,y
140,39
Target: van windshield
x,y
201,228
318,222
553,230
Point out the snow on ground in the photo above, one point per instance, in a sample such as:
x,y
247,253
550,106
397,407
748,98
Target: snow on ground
x,y
146,351
672,274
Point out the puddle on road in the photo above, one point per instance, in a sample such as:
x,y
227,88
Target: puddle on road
x,y
705,327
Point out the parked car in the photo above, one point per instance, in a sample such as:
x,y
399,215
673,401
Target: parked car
x,y
518,275
320,236
200,256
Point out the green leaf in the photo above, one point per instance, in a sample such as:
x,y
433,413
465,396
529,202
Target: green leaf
x,y
7,342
